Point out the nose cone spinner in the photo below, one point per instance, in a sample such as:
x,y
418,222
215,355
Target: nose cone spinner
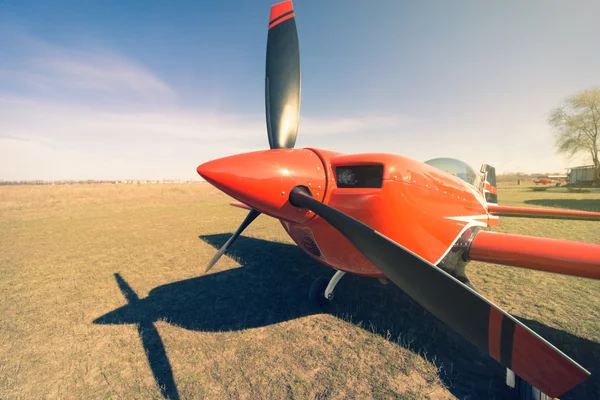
x,y
263,179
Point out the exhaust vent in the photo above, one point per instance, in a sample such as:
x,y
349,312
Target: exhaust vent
x,y
306,240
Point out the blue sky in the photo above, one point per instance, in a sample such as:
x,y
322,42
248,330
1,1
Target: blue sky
x,y
149,89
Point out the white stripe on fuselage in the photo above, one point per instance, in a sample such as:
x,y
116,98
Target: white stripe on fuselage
x,y
471,221
470,218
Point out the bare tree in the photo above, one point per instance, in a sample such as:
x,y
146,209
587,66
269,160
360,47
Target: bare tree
x,y
577,125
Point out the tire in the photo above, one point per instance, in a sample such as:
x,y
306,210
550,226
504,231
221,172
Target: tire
x,y
524,391
316,293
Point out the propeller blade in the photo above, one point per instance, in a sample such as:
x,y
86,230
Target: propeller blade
x,y
478,320
282,83
247,221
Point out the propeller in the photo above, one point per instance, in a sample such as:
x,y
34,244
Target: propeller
x,y
474,317
282,93
247,221
282,82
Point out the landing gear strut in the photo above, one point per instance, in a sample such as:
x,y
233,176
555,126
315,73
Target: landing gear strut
x,y
523,390
321,290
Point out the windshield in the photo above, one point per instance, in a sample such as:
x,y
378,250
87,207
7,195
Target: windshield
x,y
457,168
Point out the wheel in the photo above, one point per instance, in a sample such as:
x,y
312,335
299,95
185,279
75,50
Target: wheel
x,y
316,293
524,391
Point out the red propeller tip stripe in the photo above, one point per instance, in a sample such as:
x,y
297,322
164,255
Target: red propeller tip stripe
x,y
277,10
531,357
494,333
281,12
548,370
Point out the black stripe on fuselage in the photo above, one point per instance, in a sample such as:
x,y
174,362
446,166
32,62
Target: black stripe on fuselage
x,y
506,340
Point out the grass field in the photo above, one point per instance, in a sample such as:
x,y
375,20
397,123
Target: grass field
x,y
102,296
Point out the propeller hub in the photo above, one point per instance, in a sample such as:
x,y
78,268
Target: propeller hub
x,y
264,179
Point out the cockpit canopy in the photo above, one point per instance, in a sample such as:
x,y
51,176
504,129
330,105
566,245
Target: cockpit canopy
x,y
457,168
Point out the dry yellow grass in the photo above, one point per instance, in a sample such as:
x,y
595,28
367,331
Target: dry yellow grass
x,y
71,328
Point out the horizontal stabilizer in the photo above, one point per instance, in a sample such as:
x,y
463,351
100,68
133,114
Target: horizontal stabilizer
x,y
240,205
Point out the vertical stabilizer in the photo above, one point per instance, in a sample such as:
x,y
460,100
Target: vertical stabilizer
x,y
489,190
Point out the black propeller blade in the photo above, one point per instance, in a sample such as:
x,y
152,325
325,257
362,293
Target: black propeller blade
x,y
478,320
282,92
247,221
282,83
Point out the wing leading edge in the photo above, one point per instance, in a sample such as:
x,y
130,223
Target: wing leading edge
x,y
529,212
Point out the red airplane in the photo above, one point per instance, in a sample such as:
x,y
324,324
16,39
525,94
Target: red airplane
x,y
388,216
548,181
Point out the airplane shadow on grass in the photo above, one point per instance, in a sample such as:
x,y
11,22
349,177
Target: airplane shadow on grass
x,y
272,286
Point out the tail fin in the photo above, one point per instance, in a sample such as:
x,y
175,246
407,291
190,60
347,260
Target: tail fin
x,y
490,193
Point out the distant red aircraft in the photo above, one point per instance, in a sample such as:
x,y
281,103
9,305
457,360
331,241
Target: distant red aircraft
x,y
388,216
548,181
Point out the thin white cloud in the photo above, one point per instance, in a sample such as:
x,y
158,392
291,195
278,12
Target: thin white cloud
x,y
50,140
52,125
41,139
345,125
43,69
99,71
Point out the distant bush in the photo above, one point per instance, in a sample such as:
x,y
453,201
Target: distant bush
x,y
578,190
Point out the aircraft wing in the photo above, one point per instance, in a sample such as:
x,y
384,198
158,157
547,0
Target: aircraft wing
x,y
529,212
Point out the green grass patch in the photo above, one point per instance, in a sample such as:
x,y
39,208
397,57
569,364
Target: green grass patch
x,y
103,297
